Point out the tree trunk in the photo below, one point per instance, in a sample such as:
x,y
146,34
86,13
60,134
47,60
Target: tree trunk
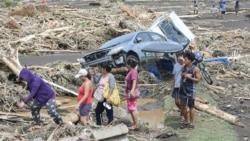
x,y
214,111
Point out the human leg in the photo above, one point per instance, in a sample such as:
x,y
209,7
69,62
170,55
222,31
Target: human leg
x,y
98,112
35,112
134,116
110,114
191,111
84,110
132,109
51,109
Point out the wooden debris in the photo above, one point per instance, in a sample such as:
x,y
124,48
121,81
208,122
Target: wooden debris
x,y
214,111
26,10
12,24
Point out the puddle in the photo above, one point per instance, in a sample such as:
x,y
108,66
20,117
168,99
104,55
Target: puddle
x,y
150,113
154,119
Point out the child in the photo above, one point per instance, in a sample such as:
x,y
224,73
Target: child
x,y
42,94
213,10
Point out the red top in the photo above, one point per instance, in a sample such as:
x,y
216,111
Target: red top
x,y
81,94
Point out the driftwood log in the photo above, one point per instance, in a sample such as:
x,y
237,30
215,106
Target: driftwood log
x,y
214,111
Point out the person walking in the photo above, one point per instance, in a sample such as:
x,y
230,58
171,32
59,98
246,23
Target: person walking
x,y
213,10
84,97
222,4
195,7
132,92
177,71
42,94
237,7
190,76
106,104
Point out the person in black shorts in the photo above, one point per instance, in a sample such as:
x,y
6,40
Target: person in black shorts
x,y
177,71
190,76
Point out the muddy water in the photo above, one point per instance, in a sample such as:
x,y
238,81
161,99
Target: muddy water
x,y
150,113
154,119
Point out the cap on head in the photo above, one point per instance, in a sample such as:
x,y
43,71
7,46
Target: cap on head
x,y
82,72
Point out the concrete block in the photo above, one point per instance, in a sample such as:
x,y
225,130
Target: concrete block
x,y
38,139
70,139
111,132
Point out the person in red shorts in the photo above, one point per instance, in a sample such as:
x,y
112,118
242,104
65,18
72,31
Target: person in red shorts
x,y
131,88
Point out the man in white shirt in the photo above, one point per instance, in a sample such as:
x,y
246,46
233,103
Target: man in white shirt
x,y
177,71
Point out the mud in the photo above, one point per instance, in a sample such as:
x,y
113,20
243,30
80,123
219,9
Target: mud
x,y
226,100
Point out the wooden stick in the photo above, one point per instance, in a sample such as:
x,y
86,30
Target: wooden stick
x,y
246,98
87,18
22,115
39,67
52,134
140,85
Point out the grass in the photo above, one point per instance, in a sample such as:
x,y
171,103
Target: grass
x,y
207,127
9,3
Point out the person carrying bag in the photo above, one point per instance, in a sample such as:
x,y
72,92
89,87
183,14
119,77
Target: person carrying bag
x,y
108,90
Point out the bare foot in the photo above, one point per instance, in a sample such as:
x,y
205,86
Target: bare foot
x,y
134,127
34,128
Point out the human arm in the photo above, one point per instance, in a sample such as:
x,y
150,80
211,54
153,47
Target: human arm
x,y
33,92
111,86
196,77
97,78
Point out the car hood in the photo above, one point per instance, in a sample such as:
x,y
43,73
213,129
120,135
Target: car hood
x,y
172,27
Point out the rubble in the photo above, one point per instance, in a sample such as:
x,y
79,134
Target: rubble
x,y
49,30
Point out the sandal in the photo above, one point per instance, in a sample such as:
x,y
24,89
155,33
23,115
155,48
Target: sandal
x,y
184,125
191,127
34,128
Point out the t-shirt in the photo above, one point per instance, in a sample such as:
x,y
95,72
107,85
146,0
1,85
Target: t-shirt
x,y
81,94
132,75
213,10
177,74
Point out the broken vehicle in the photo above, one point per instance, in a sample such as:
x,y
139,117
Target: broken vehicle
x,y
168,30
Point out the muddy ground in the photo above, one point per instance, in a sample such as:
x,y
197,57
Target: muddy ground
x,y
208,127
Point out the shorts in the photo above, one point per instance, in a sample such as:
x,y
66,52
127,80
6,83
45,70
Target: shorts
x,y
131,105
195,8
223,12
187,102
84,109
175,93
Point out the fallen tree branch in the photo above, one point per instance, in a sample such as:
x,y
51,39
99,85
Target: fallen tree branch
x,y
25,116
245,98
214,111
61,87
87,18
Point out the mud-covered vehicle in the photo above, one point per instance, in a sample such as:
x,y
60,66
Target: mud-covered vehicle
x,y
167,31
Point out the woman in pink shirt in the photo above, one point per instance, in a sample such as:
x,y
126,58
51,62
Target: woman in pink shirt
x,y
131,89
84,97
